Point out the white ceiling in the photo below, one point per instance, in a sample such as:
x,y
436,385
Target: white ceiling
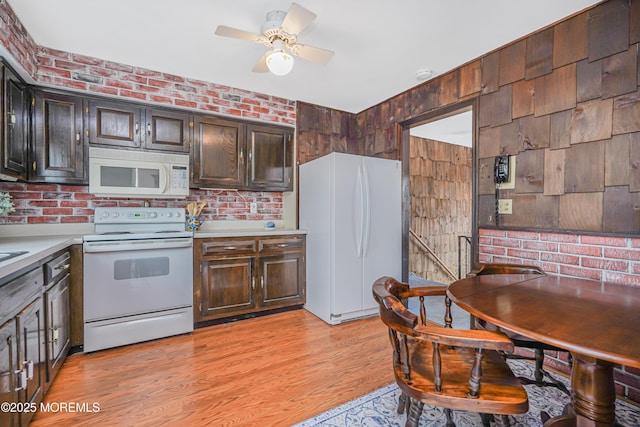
x,y
379,44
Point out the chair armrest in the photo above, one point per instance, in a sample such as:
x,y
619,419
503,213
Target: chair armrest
x,y
425,291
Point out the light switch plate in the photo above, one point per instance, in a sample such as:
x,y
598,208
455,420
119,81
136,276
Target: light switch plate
x,y
253,207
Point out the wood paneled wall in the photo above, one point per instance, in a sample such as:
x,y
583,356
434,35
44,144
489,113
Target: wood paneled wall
x,y
564,100
441,205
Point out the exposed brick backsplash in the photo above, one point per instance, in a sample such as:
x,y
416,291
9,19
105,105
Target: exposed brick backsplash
x,y
607,258
59,204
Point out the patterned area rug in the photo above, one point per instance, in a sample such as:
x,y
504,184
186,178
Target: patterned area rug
x,y
379,408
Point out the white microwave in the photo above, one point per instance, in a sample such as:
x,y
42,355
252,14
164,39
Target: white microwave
x,y
126,173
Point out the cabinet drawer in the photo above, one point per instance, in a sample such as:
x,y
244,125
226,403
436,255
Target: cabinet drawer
x,y
229,247
57,267
284,244
18,292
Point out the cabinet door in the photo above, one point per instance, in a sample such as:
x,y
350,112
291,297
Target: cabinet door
x,y
281,280
58,326
8,368
30,323
167,130
15,130
218,157
58,143
227,287
114,123
270,158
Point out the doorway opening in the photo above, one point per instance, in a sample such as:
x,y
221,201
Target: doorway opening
x,y
439,201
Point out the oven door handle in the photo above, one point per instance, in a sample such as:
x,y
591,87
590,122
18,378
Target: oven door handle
x,y
136,245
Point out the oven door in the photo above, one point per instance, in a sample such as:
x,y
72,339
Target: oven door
x,y
123,278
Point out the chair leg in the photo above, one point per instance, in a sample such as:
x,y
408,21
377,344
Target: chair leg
x,y
502,421
539,372
486,419
413,417
402,402
449,415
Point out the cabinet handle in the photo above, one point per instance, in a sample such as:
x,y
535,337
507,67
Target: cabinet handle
x,y
78,137
21,379
241,155
253,283
262,282
230,248
34,165
149,129
282,245
12,118
137,127
29,369
54,335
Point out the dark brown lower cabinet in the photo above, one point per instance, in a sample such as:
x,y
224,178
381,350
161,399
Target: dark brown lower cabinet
x,y
22,353
242,275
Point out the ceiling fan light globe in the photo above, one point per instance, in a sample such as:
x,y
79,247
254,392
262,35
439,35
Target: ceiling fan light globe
x,y
279,62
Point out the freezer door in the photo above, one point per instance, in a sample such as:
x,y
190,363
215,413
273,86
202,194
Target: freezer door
x,y
349,203
382,247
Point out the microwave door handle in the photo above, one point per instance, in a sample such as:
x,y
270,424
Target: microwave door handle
x,y
164,179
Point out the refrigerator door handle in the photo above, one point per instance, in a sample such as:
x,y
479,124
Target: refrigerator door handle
x,y
358,216
366,233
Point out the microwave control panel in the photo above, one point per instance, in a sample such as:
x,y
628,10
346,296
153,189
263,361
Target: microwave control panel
x,y
179,177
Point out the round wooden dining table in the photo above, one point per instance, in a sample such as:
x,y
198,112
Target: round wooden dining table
x,y
598,322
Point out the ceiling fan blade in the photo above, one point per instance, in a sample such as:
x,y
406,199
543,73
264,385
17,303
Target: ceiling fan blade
x,y
261,65
225,31
297,19
313,54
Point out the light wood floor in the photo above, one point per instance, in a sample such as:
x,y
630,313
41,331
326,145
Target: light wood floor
x,y
275,370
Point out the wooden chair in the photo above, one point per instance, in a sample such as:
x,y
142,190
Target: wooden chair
x,y
456,369
519,340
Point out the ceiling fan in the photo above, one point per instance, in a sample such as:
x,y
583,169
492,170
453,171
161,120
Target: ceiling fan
x,y
280,34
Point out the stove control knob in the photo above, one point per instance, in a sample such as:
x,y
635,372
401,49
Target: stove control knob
x,y
177,214
105,214
153,214
115,214
169,214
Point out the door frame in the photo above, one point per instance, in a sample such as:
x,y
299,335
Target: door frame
x,y
433,115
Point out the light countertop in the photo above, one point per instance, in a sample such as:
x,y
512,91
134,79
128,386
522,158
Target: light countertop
x,y
246,232
37,247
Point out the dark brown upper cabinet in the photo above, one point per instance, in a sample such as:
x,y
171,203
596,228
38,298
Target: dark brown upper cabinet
x,y
167,130
238,155
270,158
58,144
115,123
122,124
218,153
15,124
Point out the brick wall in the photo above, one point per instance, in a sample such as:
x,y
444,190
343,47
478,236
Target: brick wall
x,y
612,259
82,73
15,38
60,204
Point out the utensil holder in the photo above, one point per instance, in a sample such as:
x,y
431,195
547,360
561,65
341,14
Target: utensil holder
x,y
194,222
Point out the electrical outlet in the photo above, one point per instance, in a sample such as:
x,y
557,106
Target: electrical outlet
x,y
505,206
253,207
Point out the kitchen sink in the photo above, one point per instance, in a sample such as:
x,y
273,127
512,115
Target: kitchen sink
x,y
8,255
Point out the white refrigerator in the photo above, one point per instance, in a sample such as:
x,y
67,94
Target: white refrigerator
x,y
352,210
